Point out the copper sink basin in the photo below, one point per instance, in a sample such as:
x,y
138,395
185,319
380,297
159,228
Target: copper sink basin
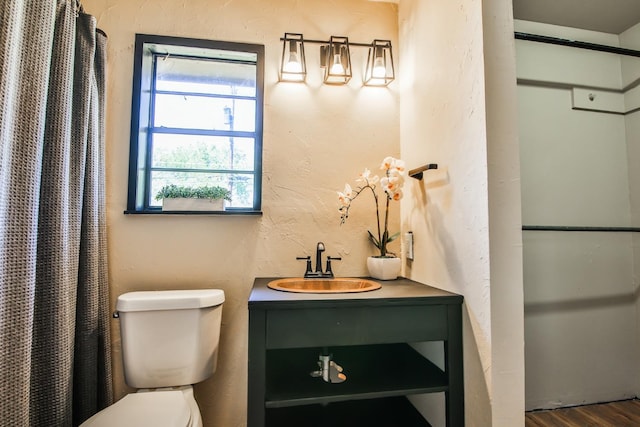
x,y
322,286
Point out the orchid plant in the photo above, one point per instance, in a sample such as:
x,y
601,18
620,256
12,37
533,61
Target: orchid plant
x,y
391,184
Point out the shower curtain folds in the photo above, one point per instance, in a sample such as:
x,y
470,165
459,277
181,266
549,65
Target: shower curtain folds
x,y
55,365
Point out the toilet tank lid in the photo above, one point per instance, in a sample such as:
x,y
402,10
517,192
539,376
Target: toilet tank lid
x,y
169,300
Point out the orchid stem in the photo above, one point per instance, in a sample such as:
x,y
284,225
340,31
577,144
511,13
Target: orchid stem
x,y
375,196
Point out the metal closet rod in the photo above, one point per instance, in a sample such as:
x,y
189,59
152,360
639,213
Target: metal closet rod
x,y
578,44
578,228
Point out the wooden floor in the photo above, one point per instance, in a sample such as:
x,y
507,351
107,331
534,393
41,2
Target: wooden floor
x,y
625,413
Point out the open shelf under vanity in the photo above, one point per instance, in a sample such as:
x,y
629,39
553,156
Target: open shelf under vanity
x,y
373,371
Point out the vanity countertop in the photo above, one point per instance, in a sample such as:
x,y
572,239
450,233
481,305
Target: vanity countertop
x,y
393,292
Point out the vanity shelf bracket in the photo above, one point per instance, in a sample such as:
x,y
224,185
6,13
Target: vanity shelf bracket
x,y
417,172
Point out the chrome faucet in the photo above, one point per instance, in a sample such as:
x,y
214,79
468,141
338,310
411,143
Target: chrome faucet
x,y
318,273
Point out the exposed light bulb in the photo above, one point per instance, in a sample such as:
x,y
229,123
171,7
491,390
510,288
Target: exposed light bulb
x,y
379,69
293,65
337,67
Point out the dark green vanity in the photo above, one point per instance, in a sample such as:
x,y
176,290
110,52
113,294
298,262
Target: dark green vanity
x,y
367,334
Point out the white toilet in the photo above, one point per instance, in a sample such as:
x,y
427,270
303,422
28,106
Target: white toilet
x,y
169,342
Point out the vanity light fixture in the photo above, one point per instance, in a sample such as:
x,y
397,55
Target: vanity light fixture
x,y
293,66
335,60
380,70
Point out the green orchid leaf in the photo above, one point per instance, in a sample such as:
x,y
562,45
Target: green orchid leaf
x,y
393,237
373,239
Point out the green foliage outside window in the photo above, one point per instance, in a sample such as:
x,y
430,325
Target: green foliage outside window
x,y
176,192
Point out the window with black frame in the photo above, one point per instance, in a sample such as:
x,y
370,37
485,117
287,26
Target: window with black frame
x,y
196,120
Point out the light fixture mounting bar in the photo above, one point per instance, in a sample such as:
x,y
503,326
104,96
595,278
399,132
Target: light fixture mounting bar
x,y
312,41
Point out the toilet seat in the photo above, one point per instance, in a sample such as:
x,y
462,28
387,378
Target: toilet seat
x,y
145,409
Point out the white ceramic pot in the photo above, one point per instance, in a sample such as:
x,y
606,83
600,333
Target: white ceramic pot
x,y
384,268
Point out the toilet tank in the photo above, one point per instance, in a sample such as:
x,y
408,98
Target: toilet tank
x,y
169,338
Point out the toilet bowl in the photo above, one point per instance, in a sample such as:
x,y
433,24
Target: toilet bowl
x,y
169,342
158,408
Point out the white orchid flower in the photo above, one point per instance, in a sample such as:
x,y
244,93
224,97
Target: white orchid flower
x,y
396,178
392,184
344,200
366,178
348,191
387,163
399,165
397,195
391,163
384,182
345,196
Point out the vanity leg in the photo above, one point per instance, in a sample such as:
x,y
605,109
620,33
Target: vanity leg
x,y
454,367
256,369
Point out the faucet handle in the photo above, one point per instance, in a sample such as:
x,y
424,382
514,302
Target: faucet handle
x,y
308,259
328,270
335,373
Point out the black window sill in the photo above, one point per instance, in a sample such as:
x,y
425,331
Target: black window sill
x,y
228,212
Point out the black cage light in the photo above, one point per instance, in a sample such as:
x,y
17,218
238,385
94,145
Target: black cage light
x,y
335,57
293,66
380,70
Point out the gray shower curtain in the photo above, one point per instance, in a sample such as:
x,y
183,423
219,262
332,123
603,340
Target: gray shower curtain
x,y
55,365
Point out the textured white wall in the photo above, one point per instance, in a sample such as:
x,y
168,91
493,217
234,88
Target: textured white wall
x,y
442,121
580,297
505,216
630,72
316,138
457,65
